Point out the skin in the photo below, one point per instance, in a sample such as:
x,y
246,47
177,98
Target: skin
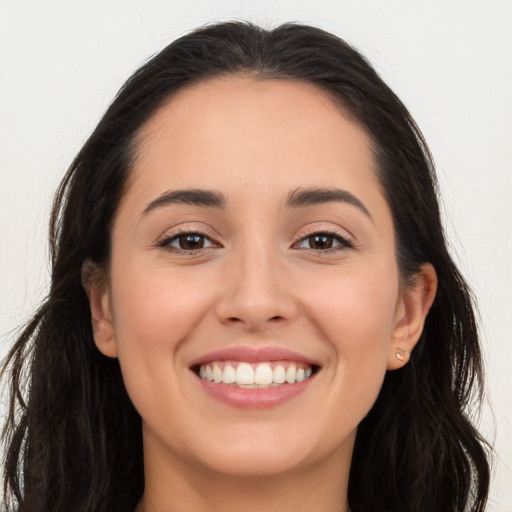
x,y
259,281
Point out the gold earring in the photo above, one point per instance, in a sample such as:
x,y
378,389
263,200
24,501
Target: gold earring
x,y
401,354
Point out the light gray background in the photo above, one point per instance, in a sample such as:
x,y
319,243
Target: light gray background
x,y
61,63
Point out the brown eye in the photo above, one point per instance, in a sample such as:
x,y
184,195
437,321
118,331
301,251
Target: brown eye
x,y
321,241
187,242
324,242
190,242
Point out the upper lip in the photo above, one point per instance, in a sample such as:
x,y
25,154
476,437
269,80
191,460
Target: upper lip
x,y
253,355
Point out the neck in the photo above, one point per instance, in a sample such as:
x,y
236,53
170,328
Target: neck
x,y
171,486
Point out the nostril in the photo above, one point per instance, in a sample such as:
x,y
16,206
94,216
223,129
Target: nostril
x,y
237,319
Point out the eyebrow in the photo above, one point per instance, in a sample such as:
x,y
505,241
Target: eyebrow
x,y
300,197
191,196
313,196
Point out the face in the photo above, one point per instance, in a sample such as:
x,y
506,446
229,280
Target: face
x,y
253,245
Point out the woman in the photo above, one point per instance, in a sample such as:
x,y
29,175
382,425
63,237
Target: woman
x,y
252,304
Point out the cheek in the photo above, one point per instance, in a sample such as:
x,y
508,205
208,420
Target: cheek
x,y
354,312
157,306
354,307
156,311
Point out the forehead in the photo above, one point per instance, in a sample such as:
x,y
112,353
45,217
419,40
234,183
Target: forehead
x,y
242,131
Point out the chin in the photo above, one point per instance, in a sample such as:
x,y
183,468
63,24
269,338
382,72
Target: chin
x,y
253,463
268,454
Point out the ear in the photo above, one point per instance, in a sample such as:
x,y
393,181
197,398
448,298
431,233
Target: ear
x,y
95,284
416,299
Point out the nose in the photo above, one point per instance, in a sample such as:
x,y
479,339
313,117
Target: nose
x,y
257,293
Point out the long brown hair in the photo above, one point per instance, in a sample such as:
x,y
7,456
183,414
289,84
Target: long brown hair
x,y
74,439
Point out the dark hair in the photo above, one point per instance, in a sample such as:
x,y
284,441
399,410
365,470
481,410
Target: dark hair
x,y
73,437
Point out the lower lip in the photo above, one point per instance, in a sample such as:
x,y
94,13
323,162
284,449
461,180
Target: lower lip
x,y
254,398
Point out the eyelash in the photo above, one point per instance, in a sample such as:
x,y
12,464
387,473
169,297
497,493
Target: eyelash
x,y
344,243
166,242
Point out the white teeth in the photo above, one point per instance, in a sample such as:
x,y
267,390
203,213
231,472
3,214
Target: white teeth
x,y
254,376
244,374
229,375
217,373
263,374
279,375
290,374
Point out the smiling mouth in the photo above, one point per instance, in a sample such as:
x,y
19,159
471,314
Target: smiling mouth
x,y
260,375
